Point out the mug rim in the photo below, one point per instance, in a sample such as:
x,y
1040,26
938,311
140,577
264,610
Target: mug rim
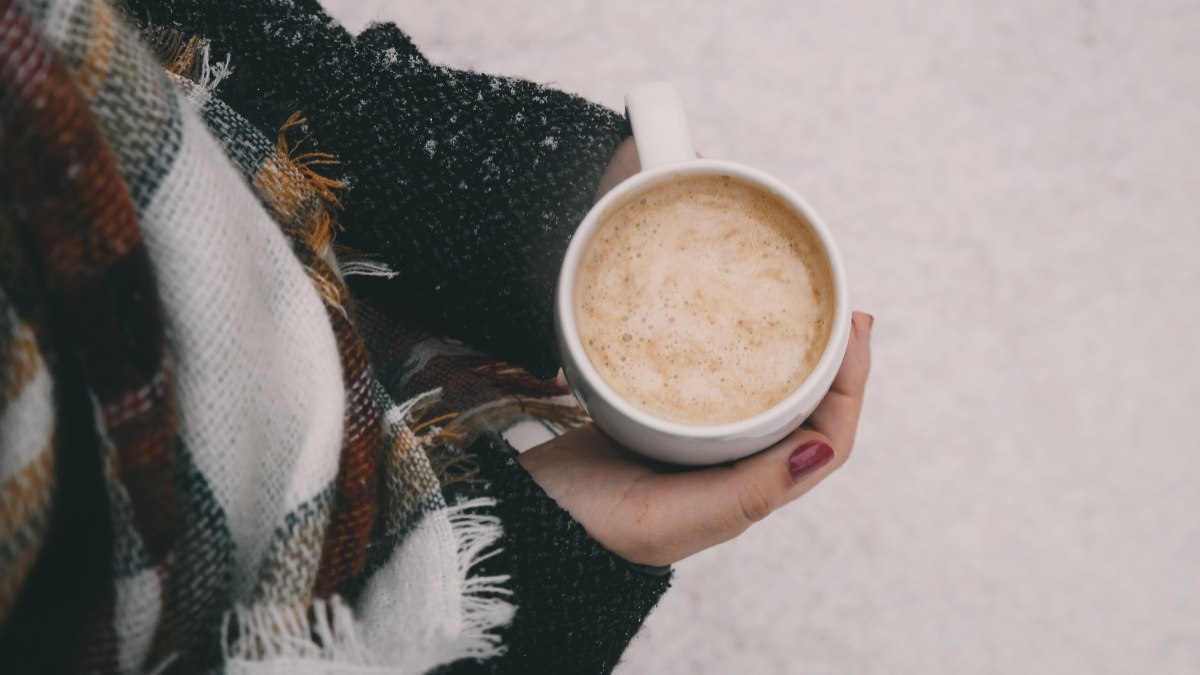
x,y
780,413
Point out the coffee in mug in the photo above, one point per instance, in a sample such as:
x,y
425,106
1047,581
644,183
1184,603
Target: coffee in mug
x,y
701,312
704,299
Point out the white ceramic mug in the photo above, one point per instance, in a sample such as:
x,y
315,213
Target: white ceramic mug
x,y
665,151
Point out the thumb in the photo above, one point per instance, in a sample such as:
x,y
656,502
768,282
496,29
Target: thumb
x,y
721,502
797,464
713,505
783,472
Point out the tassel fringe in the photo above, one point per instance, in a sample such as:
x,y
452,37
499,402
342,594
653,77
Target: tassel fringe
x,y
325,637
485,604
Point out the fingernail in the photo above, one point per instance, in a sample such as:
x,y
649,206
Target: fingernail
x,y
870,322
808,458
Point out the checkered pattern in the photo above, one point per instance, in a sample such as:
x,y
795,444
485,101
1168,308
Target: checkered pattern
x,y
256,471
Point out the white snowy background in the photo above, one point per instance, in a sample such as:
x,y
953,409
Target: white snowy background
x,y
1016,189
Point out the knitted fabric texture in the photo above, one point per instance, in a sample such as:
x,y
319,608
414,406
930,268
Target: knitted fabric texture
x,y
233,527
27,411
81,225
200,468
579,605
460,181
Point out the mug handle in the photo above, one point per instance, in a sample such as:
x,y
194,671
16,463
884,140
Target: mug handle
x,y
660,129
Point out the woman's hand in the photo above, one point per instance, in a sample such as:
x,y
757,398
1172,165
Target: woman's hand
x,y
656,514
624,163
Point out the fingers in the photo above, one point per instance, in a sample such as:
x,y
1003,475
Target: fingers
x,y
730,499
624,163
837,415
784,471
706,507
851,378
655,517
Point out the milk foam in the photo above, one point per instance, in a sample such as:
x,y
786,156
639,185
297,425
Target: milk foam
x,y
704,300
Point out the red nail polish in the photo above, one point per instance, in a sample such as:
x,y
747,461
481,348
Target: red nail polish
x,y
808,458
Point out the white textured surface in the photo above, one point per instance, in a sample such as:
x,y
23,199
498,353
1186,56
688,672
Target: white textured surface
x,y
1016,187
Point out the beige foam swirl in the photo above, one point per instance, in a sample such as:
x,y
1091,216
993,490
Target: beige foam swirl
x,y
704,300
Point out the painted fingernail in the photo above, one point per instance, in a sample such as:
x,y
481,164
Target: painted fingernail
x,y
808,458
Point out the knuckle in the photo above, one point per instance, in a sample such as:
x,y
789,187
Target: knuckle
x,y
756,503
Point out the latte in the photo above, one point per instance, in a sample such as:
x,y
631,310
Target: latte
x,y
704,300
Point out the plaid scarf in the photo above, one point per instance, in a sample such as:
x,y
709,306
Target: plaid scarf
x,y
272,502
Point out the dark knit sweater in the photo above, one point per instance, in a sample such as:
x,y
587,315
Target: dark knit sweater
x,y
469,187
578,605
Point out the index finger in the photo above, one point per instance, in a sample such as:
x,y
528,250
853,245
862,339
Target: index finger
x,y
837,415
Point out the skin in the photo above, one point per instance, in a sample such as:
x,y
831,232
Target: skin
x,y
657,514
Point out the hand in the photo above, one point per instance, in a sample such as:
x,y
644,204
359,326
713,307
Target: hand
x,y
656,514
624,163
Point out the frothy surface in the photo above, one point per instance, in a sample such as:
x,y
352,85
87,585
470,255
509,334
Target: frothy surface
x,y
704,300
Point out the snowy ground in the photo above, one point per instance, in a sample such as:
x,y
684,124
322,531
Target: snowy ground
x,y
1016,187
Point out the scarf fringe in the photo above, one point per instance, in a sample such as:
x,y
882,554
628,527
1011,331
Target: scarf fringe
x,y
325,638
367,268
192,62
485,606
263,633
356,262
